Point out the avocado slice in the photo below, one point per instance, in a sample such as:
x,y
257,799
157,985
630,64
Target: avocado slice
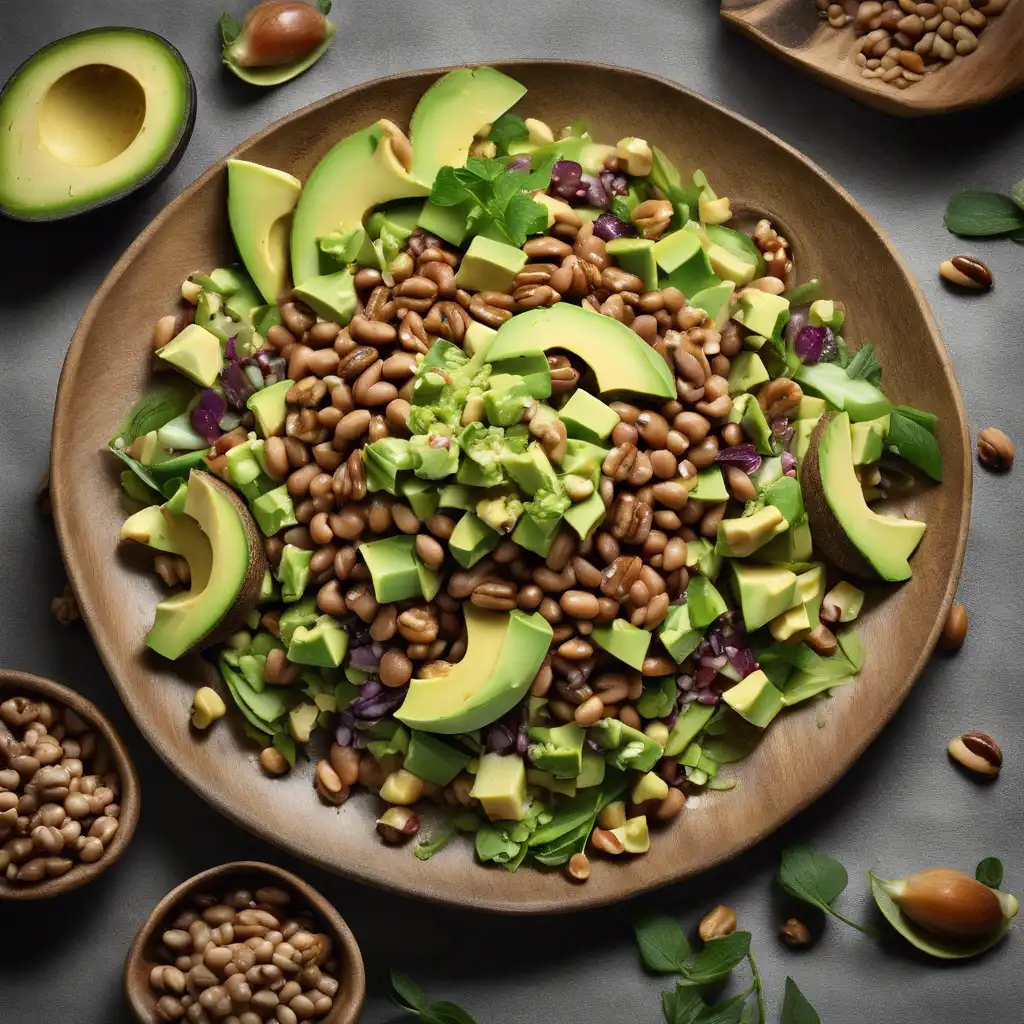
x,y
503,654
859,398
357,174
710,486
636,255
620,359
688,726
227,566
750,416
451,112
704,602
849,533
260,204
89,119
331,296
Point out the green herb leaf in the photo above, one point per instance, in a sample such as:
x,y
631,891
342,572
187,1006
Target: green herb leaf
x,y
758,988
438,840
816,879
911,441
729,1012
446,1013
717,959
795,1008
928,420
447,189
494,844
407,994
506,129
324,7
990,872
285,743
663,944
976,214
524,217
484,168
683,1006
1017,193
230,28
156,407
865,365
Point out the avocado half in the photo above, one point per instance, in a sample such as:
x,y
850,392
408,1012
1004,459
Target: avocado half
x,y
91,118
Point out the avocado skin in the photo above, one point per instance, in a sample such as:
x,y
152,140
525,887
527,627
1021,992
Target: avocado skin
x,y
144,184
828,533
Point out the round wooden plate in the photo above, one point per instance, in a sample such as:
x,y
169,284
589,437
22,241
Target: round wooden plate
x,y
107,368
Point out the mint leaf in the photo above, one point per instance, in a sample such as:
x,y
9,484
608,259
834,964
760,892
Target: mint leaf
x,y
729,1012
524,216
447,189
795,1008
928,420
506,129
484,168
717,959
540,177
1017,193
816,879
864,365
230,28
446,1013
977,214
683,1006
663,945
911,441
990,872
426,848
407,994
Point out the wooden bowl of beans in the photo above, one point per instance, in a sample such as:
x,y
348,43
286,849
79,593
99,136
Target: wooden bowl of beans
x,y
69,795
246,941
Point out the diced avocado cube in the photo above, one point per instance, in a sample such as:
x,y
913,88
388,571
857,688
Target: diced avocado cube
x,y
740,537
690,756
268,588
750,416
332,296
478,337
545,780
489,265
196,353
394,568
754,699
471,540
433,760
269,407
634,835
746,373
842,603
535,536
764,591
558,750
678,636
531,470
823,313
688,726
763,313
293,572
505,399
302,720
802,440
324,644
716,301
649,787
636,255
867,439
682,258
532,367
627,748
433,461
810,408
500,513
246,471
785,495
274,510
730,266
584,458
302,613
421,495
700,554
624,641
792,546
457,496
710,487
592,772
588,418
704,601
500,786
584,515
448,222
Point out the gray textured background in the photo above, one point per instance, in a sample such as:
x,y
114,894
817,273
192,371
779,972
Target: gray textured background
x,y
902,805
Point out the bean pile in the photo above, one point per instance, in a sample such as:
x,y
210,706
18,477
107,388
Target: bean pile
x,y
58,796
899,42
245,958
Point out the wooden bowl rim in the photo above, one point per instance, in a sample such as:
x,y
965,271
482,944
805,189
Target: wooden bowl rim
x,y
578,897
346,1013
130,798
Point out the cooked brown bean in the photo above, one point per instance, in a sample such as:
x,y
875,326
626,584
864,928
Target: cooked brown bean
x,y
395,668
579,604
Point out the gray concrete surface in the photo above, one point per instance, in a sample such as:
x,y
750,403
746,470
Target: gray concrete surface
x,y
902,805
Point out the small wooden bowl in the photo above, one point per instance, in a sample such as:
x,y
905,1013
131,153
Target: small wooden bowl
x,y
251,875
16,684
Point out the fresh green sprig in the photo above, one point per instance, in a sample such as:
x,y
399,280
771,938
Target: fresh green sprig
x,y
507,129
795,1007
816,879
497,195
408,996
911,439
980,214
865,365
990,872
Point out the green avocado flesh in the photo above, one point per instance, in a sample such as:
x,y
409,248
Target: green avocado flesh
x,y
503,653
850,533
88,119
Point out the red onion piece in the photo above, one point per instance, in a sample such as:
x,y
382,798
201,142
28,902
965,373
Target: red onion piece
x,y
745,456
608,226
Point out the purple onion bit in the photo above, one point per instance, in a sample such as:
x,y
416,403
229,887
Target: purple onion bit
x,y
745,456
205,417
519,163
608,227
615,184
798,317
500,739
788,464
230,351
567,180
366,658
596,193
237,387
373,707
810,343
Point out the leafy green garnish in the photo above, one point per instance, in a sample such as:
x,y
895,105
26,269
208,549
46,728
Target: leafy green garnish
x,y
156,407
717,959
506,129
865,365
990,872
285,743
908,439
816,879
230,28
928,420
438,840
663,944
408,996
978,214
795,1008
499,194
